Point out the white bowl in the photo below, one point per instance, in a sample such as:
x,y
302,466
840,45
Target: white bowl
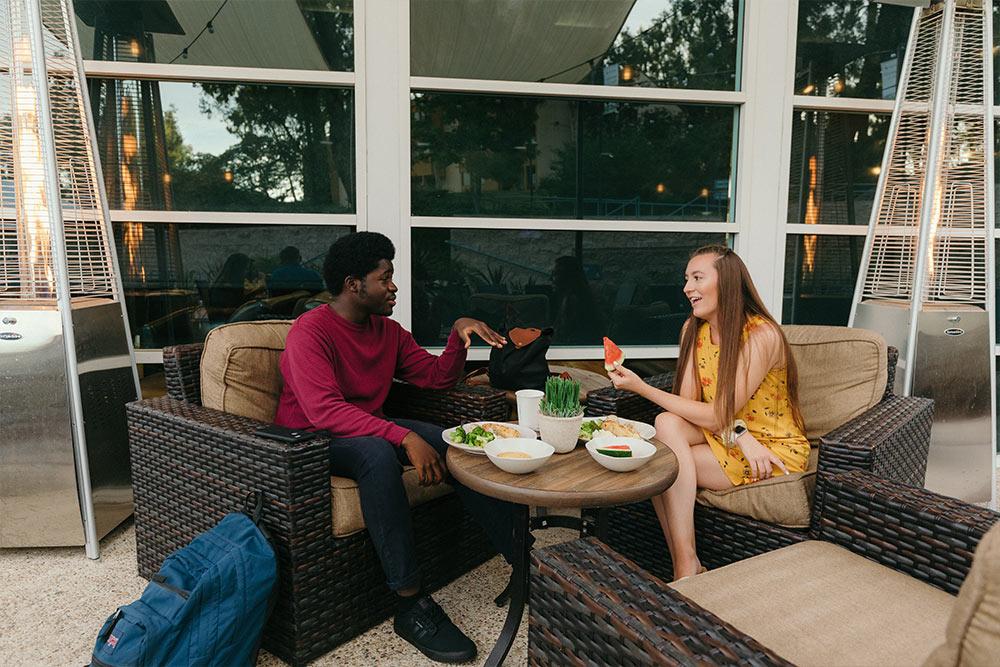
x,y
538,451
642,452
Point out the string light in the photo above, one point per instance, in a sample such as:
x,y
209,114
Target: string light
x,y
209,28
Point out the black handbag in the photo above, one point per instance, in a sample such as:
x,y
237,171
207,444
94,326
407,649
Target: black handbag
x,y
521,366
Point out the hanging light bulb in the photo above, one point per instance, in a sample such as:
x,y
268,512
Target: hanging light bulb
x,y
661,188
134,48
627,73
227,175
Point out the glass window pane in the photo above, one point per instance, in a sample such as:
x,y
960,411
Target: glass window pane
x,y
530,157
584,284
181,280
820,274
850,48
835,163
225,146
649,43
307,34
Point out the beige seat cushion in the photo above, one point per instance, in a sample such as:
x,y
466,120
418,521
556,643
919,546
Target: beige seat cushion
x,y
842,373
346,502
973,635
785,500
239,368
815,603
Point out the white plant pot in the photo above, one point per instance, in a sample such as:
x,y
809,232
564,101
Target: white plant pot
x,y
560,432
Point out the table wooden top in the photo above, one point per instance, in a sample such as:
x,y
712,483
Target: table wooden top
x,y
566,480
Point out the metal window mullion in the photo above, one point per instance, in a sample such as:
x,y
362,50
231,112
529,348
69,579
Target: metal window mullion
x,y
233,217
537,89
173,72
826,229
360,121
844,104
572,224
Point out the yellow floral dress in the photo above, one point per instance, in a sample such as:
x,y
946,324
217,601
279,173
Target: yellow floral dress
x,y
768,413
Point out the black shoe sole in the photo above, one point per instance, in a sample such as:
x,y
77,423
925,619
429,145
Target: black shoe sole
x,y
438,656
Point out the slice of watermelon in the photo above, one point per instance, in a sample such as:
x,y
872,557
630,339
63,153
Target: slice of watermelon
x,y
612,354
615,452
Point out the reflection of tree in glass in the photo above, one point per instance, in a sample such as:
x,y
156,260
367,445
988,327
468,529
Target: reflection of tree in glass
x,y
490,138
332,24
646,160
294,151
849,41
691,44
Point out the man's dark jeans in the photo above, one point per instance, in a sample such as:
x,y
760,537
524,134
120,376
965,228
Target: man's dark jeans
x,y
377,466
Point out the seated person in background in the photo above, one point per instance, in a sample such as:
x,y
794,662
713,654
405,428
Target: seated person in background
x,y
734,365
576,317
238,282
338,365
291,276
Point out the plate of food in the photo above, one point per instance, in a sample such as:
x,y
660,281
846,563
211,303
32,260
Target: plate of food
x,y
472,437
611,425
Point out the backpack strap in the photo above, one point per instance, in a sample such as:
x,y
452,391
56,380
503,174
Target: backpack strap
x,y
253,505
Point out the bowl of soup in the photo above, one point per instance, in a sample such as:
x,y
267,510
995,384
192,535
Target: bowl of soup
x,y
518,455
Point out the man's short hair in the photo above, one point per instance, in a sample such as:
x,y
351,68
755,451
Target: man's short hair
x,y
290,255
356,255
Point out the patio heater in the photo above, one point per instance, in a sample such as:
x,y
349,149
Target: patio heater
x,y
928,265
66,364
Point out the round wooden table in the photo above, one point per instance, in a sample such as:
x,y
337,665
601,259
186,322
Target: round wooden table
x,y
566,480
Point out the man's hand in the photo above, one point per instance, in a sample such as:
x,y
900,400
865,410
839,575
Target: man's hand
x,y
430,468
761,459
466,326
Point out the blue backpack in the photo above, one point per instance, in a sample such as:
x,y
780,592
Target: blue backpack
x,y
206,606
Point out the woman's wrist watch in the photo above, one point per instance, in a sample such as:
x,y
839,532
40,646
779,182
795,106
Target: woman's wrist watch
x,y
738,429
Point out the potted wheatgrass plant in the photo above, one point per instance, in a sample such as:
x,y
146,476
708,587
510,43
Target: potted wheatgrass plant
x,y
560,414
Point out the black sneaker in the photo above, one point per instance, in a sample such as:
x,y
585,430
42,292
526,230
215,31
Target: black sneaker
x,y
426,626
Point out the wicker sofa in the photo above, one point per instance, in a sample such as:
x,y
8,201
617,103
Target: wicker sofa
x,y
874,587
885,434
191,464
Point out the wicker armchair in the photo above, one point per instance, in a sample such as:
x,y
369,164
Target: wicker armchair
x,y
191,465
891,440
591,605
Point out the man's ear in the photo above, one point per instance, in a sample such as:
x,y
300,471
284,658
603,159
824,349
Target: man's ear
x,y
352,284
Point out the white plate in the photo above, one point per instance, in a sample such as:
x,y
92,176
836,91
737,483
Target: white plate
x,y
646,431
524,432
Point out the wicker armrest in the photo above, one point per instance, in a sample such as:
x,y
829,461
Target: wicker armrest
x,y
590,605
447,407
891,440
923,534
191,465
611,401
182,370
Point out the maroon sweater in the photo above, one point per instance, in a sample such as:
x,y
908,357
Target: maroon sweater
x,y
337,373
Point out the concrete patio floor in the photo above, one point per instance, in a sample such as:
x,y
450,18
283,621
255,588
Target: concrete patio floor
x,y
53,602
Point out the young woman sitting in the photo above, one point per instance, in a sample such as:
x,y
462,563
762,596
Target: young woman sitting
x,y
732,417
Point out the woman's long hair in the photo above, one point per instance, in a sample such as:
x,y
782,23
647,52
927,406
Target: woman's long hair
x,y
737,301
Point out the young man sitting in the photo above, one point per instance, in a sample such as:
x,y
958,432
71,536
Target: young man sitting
x,y
338,365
